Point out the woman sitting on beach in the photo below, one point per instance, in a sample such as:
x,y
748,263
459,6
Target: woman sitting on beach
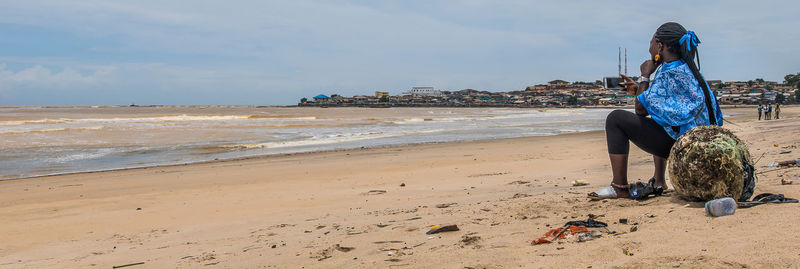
x,y
676,101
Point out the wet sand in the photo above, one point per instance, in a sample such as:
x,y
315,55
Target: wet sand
x,y
36,141
370,208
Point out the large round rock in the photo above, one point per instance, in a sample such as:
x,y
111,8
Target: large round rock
x,y
709,162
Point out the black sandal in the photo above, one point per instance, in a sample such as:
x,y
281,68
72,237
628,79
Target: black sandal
x,y
656,190
590,223
766,198
641,191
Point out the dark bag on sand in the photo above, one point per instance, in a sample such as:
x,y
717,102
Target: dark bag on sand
x,y
709,162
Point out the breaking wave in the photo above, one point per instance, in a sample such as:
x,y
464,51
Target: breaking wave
x,y
173,118
46,130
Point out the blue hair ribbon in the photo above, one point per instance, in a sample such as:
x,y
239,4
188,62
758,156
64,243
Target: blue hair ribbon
x,y
690,39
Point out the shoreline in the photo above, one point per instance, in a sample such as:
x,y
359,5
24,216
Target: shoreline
x,y
254,132
278,155
271,155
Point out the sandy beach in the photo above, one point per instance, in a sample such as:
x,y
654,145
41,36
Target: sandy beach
x,y
370,208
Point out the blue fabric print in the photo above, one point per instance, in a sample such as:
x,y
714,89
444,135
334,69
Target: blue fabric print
x,y
675,98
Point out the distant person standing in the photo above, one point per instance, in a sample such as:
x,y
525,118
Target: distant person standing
x,y
760,109
777,111
768,116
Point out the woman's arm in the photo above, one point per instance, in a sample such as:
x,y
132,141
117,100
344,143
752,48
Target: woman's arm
x,y
640,110
635,89
647,68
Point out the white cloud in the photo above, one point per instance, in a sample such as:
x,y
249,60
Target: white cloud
x,y
39,76
143,83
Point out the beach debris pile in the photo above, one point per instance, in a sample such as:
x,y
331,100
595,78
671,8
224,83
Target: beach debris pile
x,y
709,162
572,228
559,233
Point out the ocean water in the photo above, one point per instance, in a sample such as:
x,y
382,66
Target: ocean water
x,y
37,141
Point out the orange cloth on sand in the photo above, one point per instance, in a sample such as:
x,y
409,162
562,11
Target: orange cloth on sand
x,y
557,233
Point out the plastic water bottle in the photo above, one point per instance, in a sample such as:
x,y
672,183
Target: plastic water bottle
x,y
721,207
773,164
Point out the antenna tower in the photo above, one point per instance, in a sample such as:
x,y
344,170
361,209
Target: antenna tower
x,y
619,60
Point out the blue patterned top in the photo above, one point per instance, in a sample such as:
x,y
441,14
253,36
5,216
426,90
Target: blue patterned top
x,y
675,98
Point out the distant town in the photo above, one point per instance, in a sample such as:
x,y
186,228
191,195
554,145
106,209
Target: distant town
x,y
556,93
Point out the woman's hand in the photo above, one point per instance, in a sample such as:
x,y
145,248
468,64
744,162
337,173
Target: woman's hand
x,y
647,68
630,85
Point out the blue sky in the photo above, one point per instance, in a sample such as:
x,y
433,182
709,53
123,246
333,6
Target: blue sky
x,y
275,52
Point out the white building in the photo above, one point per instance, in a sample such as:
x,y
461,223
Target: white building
x,y
424,91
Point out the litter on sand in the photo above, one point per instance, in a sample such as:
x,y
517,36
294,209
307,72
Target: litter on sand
x,y
579,182
583,237
766,198
442,228
559,233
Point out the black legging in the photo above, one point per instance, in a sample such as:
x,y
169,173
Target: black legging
x,y
622,126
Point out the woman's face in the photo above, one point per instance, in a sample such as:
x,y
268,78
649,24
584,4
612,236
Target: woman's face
x,y
655,47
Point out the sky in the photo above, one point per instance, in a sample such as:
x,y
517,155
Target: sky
x,y
267,52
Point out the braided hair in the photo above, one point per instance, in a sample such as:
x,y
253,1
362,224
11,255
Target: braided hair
x,y
684,44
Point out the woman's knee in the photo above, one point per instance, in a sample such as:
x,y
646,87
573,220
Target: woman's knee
x,y
616,116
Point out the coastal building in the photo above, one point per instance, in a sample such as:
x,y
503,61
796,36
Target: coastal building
x,y
557,83
770,96
379,94
783,88
738,84
424,91
730,98
752,98
537,88
713,83
321,98
467,92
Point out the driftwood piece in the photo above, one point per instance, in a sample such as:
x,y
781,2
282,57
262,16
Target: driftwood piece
x,y
126,265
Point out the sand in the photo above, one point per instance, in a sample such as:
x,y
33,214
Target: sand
x,y
370,208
